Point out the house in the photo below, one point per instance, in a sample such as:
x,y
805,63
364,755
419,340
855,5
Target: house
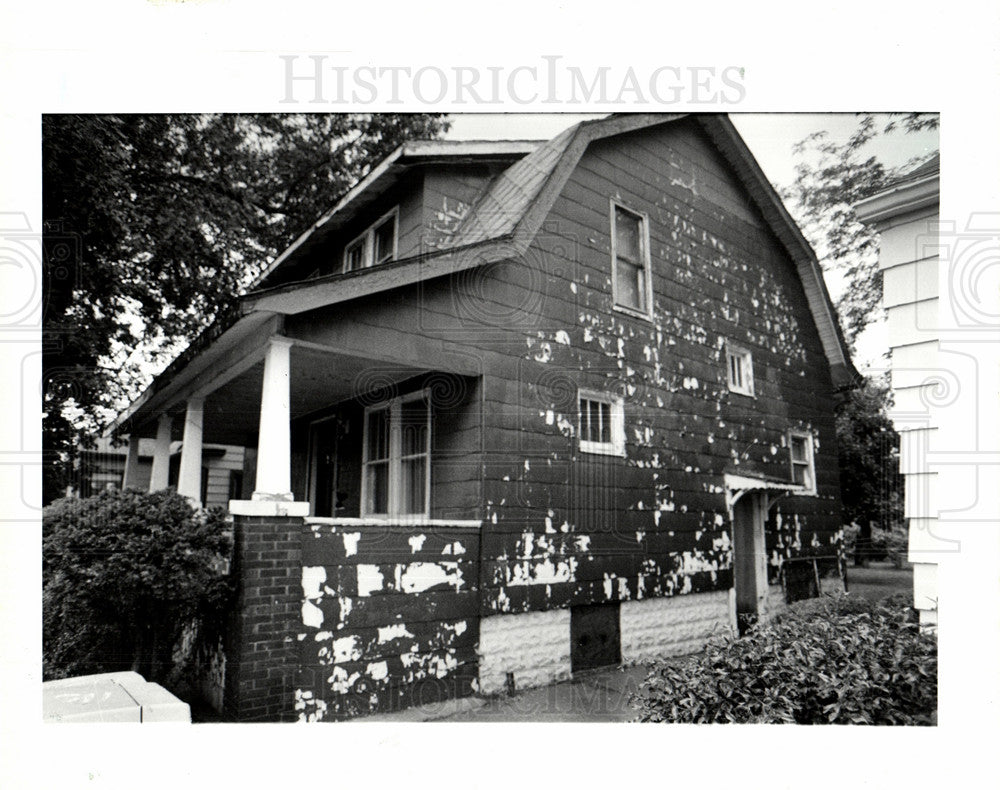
x,y
515,410
906,215
104,466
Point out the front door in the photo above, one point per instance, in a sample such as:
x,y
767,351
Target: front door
x,y
749,559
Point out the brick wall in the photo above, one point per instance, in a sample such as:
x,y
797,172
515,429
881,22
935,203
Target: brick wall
x,y
260,650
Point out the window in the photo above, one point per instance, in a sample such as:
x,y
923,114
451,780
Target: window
x,y
630,262
397,449
801,451
739,366
602,423
375,246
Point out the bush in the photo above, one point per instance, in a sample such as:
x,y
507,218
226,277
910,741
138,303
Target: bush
x,y
123,573
836,660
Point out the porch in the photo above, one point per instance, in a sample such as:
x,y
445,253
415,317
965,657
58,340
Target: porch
x,y
325,431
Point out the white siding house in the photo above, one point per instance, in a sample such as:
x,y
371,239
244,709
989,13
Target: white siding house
x,y
906,215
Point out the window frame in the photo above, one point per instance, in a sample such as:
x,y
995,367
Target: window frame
x,y
367,241
644,254
395,459
616,414
809,463
744,354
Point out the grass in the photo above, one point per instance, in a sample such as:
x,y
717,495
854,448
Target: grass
x,y
878,580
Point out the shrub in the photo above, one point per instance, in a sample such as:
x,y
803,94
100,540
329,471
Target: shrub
x,y
123,573
837,660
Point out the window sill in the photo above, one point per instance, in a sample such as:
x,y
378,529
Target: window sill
x,y
400,521
590,448
620,308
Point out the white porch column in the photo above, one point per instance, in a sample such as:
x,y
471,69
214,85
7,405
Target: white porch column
x,y
274,456
159,477
189,479
131,477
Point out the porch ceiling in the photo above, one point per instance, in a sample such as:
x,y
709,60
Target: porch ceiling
x,y
318,379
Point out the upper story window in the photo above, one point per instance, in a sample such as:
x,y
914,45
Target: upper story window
x,y
630,267
803,465
396,458
602,423
739,370
376,245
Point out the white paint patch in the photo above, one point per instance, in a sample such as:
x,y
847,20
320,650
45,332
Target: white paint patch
x,y
369,580
313,578
562,338
389,632
550,417
347,648
378,671
416,543
420,576
544,353
351,543
312,615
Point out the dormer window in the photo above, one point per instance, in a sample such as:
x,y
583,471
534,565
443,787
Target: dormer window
x,y
375,246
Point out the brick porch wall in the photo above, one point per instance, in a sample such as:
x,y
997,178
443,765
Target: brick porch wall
x,y
261,653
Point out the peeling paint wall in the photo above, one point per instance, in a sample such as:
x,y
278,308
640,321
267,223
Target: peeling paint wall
x,y
566,528
389,618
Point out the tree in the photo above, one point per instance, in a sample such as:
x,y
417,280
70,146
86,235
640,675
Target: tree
x,y
153,224
123,573
829,180
871,486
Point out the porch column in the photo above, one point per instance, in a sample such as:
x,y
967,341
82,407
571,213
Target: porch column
x,y
159,477
131,477
189,479
274,456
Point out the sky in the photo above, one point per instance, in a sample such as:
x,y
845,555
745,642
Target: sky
x,y
771,137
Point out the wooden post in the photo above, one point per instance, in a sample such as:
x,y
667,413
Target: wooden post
x,y
189,479
159,477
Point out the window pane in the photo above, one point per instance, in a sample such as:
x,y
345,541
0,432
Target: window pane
x,y
799,449
595,421
378,487
629,285
627,236
378,435
798,474
384,238
413,479
413,426
605,423
355,255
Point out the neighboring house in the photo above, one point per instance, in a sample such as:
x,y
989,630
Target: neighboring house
x,y
905,214
221,470
519,410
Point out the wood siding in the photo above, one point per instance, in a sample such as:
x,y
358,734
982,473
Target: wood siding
x,y
564,528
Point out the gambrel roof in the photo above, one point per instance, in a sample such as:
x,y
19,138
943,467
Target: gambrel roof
x,y
505,220
501,226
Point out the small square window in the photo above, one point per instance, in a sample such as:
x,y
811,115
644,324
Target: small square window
x,y
800,446
601,423
630,261
739,370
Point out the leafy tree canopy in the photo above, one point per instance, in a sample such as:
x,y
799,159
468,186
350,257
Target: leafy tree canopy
x,y
155,222
830,178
